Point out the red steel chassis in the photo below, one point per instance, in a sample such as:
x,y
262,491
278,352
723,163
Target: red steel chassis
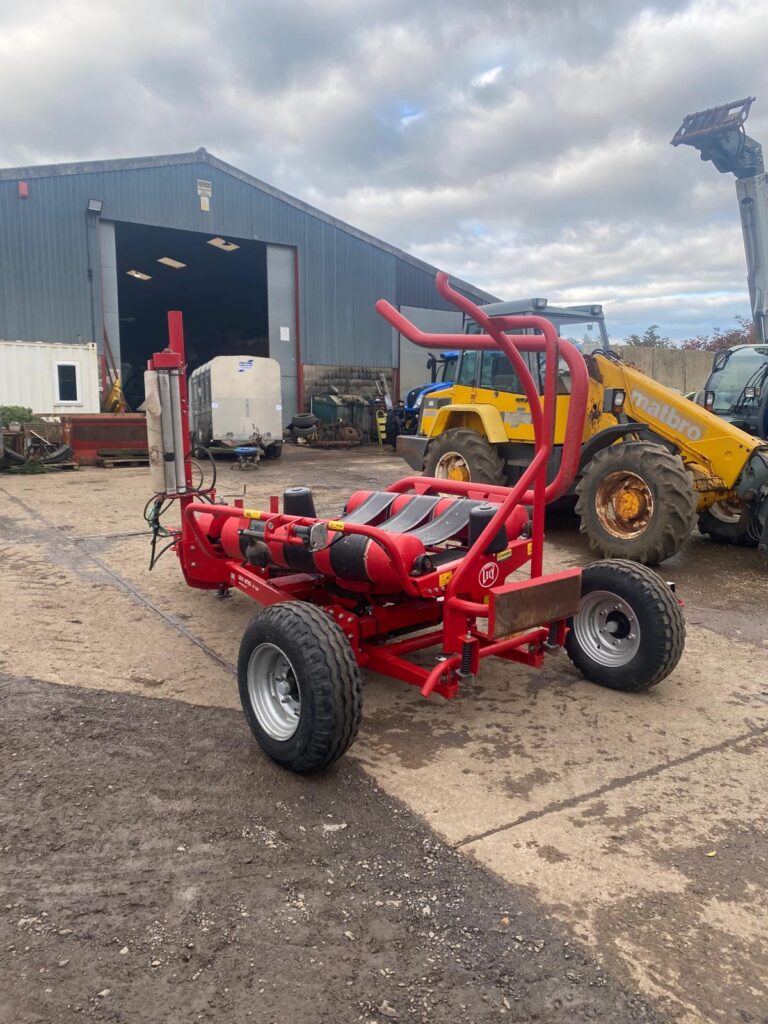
x,y
453,607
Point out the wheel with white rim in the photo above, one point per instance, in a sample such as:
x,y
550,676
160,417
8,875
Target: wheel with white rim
x,y
461,454
629,631
299,686
727,522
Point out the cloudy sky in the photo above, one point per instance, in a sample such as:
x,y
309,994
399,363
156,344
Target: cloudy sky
x,y
523,146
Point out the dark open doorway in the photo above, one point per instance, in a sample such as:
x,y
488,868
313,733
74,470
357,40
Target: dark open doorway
x,y
219,284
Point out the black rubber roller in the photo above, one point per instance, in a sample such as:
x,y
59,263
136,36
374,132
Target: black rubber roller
x,y
479,517
298,501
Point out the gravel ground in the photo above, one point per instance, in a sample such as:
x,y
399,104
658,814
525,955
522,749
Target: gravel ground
x,y
156,867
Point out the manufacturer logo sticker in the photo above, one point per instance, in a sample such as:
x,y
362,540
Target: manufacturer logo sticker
x,y
488,574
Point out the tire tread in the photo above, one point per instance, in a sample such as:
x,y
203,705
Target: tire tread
x,y
485,464
331,664
674,490
659,657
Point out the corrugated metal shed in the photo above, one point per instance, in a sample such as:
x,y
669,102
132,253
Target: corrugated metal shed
x,y
49,265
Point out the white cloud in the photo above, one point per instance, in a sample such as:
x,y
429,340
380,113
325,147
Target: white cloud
x,y
487,77
548,170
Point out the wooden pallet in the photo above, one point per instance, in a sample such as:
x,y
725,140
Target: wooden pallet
x,y
111,463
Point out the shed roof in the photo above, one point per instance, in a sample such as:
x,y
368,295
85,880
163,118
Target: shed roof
x,y
203,156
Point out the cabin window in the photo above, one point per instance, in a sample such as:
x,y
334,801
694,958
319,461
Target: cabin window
x,y
67,383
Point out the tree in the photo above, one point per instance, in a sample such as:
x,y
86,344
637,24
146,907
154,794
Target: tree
x,y
650,338
742,334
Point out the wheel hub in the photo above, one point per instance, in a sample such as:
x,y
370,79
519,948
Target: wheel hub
x,y
606,627
452,466
624,504
274,691
728,511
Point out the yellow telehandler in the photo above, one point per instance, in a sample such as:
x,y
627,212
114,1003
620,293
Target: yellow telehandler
x,y
651,460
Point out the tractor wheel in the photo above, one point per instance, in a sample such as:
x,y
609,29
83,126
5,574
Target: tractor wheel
x,y
636,501
726,523
629,631
299,686
461,454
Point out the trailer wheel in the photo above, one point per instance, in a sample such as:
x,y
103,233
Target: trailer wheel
x,y
461,454
726,523
299,686
629,631
636,500
273,451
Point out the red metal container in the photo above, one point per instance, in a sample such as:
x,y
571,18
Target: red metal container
x,y
89,433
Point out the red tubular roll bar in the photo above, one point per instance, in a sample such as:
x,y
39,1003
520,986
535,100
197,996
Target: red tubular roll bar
x,y
542,415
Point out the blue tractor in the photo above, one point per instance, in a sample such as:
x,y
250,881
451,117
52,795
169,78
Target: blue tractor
x,y
405,418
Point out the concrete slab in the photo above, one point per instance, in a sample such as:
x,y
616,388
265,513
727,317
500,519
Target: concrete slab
x,y
664,876
533,773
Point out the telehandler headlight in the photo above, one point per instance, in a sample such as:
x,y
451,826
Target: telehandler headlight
x,y
709,400
619,396
751,394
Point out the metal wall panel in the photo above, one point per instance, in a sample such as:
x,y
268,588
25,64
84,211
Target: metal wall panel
x,y
281,302
49,243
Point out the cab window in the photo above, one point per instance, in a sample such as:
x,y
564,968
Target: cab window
x,y
498,374
563,375
467,374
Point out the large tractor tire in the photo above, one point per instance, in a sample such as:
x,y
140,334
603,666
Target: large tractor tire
x,y
727,523
629,631
299,686
636,501
461,454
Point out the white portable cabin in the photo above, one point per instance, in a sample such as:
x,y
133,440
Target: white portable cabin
x,y
48,377
235,400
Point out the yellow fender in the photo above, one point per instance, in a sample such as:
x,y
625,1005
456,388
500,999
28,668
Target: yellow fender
x,y
483,419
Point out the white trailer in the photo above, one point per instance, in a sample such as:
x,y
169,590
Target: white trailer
x,y
236,400
48,377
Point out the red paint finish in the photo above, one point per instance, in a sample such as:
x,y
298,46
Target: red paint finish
x,y
379,584
23,190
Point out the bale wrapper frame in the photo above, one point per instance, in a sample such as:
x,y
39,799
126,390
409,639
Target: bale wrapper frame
x,y
423,564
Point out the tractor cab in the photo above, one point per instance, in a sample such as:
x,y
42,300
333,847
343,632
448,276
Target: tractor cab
x,y
488,376
737,388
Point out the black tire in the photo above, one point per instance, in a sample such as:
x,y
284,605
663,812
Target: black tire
x,y
326,677
304,420
631,638
663,523
478,459
304,431
720,529
273,451
61,454
13,458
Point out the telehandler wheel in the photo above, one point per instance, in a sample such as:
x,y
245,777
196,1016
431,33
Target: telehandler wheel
x,y
725,523
636,501
461,454
629,631
299,686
